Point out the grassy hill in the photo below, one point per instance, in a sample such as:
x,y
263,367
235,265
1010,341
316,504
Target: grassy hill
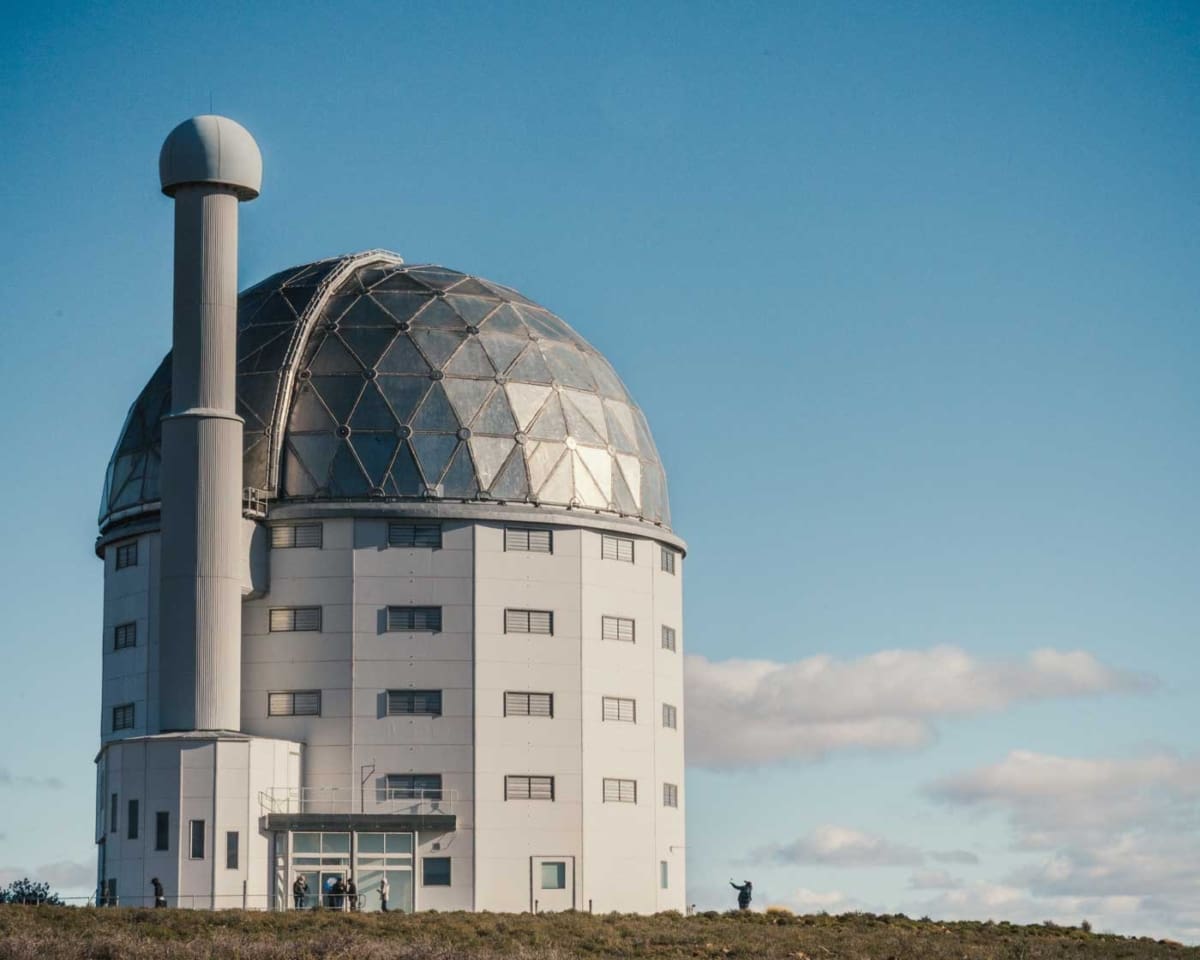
x,y
64,933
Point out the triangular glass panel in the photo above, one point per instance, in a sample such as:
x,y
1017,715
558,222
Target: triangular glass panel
x,y
652,498
474,288
568,364
296,481
403,394
366,313
586,489
507,320
336,307
398,281
274,352
550,423
631,470
402,357
467,396
436,415
590,406
512,483
489,454
253,420
297,299
347,479
339,394
599,464
577,424
541,323
373,413
254,461
308,413
401,305
495,417
439,278
375,452
333,357
471,361
437,345
607,380
439,315
531,367
369,343
501,348
559,487
315,452
459,480
471,309
434,453
623,499
527,399
251,342
649,451
542,458
506,293
406,480
621,431
257,391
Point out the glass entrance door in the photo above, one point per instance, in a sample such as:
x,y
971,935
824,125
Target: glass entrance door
x,y
329,879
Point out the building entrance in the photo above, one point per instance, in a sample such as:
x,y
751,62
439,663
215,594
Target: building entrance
x,y
324,858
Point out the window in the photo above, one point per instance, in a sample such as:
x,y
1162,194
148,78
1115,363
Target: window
x,y
619,708
124,635
127,555
670,795
668,563
668,638
414,619
122,717
616,548
113,806
669,716
528,621
414,535
408,702
296,535
231,850
413,786
296,619
521,704
620,791
525,787
528,540
616,628
162,830
196,843
435,871
554,875
131,820
663,875
294,703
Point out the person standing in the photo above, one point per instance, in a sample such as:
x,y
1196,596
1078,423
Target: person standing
x,y
352,894
743,890
339,894
383,892
160,895
299,889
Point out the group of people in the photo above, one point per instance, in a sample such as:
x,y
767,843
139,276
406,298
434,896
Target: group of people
x,y
343,895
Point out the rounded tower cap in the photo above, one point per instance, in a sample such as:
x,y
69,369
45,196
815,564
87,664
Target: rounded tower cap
x,y
211,149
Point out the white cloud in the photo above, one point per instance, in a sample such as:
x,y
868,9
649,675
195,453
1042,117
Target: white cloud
x,y
933,880
753,712
10,779
841,847
954,856
62,875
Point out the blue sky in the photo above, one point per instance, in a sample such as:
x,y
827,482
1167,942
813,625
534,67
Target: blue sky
x,y
909,296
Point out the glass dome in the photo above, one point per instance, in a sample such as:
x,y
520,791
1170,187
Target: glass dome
x,y
363,377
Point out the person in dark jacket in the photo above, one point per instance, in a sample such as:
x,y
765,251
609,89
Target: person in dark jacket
x,y
339,894
743,893
160,895
352,895
299,889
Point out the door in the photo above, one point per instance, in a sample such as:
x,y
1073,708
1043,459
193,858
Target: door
x,y
328,879
552,883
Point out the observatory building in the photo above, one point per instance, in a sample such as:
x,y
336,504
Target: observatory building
x,y
390,591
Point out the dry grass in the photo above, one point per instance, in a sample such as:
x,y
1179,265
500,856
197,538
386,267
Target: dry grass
x,y
64,933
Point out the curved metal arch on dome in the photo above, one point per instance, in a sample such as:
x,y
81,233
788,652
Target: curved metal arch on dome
x,y
364,378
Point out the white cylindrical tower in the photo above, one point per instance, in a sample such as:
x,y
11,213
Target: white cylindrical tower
x,y
208,165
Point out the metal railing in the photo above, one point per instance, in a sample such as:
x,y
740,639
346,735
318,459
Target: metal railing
x,y
342,800
254,503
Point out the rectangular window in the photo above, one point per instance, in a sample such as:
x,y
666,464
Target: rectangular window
x,y
196,839
663,875
294,535
414,619
294,703
415,535
670,795
620,791
616,548
529,621
127,555
162,830
122,717
525,787
668,638
619,708
412,702
132,820
528,540
669,716
413,786
435,871
554,875
296,619
231,850
124,635
616,628
522,704
668,561
113,807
